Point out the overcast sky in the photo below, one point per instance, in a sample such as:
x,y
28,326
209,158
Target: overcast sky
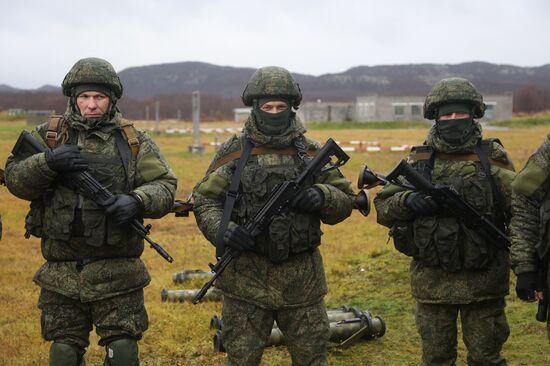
x,y
41,40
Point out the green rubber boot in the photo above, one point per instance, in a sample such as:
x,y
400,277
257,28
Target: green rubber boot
x,y
62,354
122,352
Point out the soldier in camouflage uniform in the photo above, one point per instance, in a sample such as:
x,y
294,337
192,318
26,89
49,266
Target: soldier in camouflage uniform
x,y
93,273
529,227
279,275
453,269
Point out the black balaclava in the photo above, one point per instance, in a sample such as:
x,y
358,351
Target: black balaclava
x,y
272,124
455,131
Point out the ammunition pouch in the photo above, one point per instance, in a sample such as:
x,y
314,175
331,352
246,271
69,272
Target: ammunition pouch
x,y
403,238
34,220
288,234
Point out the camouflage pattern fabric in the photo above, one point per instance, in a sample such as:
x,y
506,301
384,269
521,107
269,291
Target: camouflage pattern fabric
x,y
287,269
452,90
246,329
269,82
488,275
92,71
70,321
484,329
529,227
93,273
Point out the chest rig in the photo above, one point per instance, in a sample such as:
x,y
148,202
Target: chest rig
x,y
257,173
442,240
102,166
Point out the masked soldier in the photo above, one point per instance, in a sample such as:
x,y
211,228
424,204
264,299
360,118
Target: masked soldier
x,y
279,275
529,230
454,269
93,273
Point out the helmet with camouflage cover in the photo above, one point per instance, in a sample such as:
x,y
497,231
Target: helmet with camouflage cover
x,y
92,71
272,81
453,90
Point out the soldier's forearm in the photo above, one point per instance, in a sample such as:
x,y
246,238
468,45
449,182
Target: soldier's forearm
x,y
28,179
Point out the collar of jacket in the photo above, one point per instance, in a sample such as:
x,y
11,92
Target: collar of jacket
x,y
295,129
438,144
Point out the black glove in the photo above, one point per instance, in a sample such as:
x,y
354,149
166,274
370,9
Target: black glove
x,y
526,286
236,237
124,209
309,200
421,204
65,158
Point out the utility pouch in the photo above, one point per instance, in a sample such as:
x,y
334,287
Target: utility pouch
x,y
34,219
403,238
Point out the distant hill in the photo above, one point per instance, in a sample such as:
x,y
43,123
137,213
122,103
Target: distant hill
x,y
184,77
221,86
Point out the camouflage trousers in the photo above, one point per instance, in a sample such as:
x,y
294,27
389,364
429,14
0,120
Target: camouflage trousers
x,y
246,329
70,321
484,331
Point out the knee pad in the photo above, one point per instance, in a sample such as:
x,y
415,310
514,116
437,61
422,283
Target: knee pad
x,y
62,354
122,352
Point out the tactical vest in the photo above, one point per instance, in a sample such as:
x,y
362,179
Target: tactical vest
x,y
75,227
290,233
443,240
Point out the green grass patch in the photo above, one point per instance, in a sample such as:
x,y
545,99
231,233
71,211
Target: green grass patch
x,y
539,119
353,125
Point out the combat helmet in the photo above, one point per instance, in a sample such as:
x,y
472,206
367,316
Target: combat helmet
x,y
92,71
272,81
453,90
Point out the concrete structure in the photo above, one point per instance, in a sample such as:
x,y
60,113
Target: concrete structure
x,y
409,108
381,108
241,114
38,117
326,111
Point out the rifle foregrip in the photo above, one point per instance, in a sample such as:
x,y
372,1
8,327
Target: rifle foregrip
x,y
416,179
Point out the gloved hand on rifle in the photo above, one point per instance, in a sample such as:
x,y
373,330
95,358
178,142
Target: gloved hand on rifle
x,y
422,204
65,158
125,208
236,237
309,200
527,285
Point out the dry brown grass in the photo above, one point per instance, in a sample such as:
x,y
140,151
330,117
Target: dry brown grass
x,y
362,270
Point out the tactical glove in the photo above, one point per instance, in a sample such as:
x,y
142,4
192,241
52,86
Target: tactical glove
x,y
65,158
309,200
236,237
124,209
421,204
526,286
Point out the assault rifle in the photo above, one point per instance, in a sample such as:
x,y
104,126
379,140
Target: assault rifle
x,y
279,202
445,196
88,186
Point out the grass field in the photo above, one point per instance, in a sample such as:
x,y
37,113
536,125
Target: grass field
x,y
362,270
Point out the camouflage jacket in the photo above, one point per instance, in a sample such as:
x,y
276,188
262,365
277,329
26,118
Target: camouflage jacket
x,y
73,228
531,212
453,264
286,268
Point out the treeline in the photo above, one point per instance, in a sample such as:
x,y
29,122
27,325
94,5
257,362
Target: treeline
x,y
213,108
528,99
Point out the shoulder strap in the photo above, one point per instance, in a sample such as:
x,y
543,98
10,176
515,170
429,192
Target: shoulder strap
x,y
261,150
231,196
131,136
124,150
422,157
483,150
52,132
